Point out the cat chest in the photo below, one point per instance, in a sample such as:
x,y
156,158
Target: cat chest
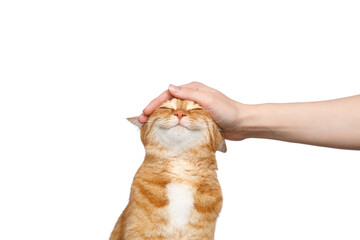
x,y
181,202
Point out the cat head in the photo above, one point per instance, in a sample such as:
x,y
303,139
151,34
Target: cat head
x,y
181,125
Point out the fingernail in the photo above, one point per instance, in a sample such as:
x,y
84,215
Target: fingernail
x,y
142,118
173,88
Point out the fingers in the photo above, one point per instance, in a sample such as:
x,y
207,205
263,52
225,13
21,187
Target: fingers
x,y
196,86
142,118
155,103
189,93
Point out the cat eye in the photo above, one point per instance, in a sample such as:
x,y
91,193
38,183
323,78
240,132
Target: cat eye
x,y
197,109
164,108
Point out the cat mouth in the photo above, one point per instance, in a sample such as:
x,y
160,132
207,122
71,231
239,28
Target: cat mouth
x,y
180,125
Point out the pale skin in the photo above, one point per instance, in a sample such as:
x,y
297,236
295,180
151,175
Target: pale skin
x,y
332,123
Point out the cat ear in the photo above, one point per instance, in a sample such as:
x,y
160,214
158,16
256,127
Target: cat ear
x,y
222,147
134,120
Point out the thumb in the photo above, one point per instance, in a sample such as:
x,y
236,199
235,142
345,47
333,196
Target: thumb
x,y
187,93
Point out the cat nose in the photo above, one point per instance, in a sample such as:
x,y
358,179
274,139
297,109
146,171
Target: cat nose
x,y
180,114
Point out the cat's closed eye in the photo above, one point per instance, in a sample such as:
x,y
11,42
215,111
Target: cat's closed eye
x,y
196,109
165,108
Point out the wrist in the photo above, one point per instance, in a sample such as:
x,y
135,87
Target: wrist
x,y
252,120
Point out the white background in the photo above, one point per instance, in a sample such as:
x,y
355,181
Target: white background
x,y
72,71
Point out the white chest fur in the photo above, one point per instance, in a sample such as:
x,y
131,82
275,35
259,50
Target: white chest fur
x,y
181,202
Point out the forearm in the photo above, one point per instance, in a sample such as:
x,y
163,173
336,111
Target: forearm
x,y
333,123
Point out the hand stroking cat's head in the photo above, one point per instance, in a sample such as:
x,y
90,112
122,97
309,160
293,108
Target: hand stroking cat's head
x,y
181,125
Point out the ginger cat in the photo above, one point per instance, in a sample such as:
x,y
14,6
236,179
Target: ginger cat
x,y
175,194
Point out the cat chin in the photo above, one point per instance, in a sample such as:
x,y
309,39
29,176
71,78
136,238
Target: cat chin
x,y
178,139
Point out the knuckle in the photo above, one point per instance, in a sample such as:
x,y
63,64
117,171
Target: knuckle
x,y
196,84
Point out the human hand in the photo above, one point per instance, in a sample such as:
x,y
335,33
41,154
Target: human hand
x,y
332,123
222,109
